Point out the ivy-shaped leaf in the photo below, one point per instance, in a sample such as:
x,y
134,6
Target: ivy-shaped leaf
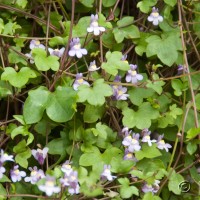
x,y
95,95
5,89
156,84
114,63
146,5
165,48
140,118
18,79
44,62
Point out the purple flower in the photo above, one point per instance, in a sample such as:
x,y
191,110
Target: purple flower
x,y
2,170
93,66
35,176
40,154
94,26
75,48
155,17
124,57
132,142
49,187
106,174
5,157
36,44
162,145
117,80
56,52
119,93
71,181
151,188
181,69
66,167
146,137
132,75
79,81
16,175
129,156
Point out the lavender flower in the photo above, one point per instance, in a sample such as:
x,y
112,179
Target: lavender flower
x,y
35,176
124,57
129,156
36,44
151,188
2,170
40,154
56,52
75,48
106,174
181,69
49,187
79,81
132,75
146,137
16,175
132,142
66,167
119,93
117,80
93,66
155,17
5,157
162,145
71,181
94,26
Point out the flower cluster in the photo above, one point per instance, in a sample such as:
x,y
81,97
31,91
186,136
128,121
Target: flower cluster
x,y
70,178
132,75
119,92
131,142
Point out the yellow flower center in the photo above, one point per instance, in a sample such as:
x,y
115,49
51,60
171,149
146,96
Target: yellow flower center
x,y
147,137
50,183
155,14
16,171
129,155
107,171
80,81
95,24
126,61
73,178
37,42
56,50
33,173
93,66
133,73
77,46
162,141
120,92
134,141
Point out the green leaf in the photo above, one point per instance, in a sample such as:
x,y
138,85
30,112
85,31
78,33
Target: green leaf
x,y
166,48
5,89
1,25
57,40
170,2
174,183
3,193
22,3
95,95
137,95
150,196
87,3
192,133
93,113
155,84
20,119
147,152
145,113
108,3
90,158
23,153
191,148
174,111
127,192
125,21
145,5
61,105
35,104
197,100
10,28
14,57
44,62
56,147
179,86
114,63
18,79
80,30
